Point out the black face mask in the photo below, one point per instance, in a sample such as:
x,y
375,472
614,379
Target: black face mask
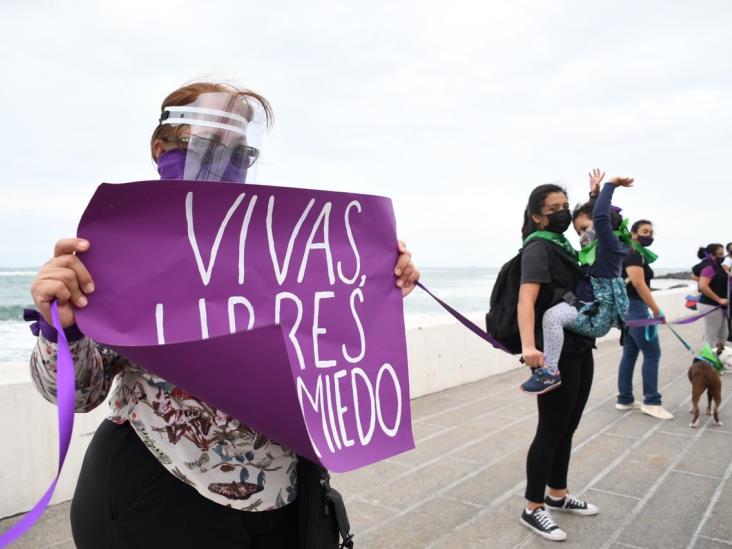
x,y
645,241
559,221
719,260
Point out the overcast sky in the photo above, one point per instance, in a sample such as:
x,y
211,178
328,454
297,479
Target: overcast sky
x,y
455,110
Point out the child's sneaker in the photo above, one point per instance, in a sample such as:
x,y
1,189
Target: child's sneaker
x,y
541,381
541,522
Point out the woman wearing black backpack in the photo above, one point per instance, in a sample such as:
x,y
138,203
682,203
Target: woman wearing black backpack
x,y
549,270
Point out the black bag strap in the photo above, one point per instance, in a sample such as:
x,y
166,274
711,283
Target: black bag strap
x,y
335,498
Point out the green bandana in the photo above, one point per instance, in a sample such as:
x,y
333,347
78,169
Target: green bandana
x,y
558,239
707,354
647,254
588,254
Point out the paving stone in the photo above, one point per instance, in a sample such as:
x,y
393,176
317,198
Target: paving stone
x,y
497,528
410,489
419,527
423,429
711,455
363,514
358,481
593,457
670,517
703,543
591,424
718,524
493,481
427,406
470,411
640,469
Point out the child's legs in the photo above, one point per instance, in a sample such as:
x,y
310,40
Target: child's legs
x,y
611,303
553,323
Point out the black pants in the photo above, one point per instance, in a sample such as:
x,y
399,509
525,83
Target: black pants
x,y
126,499
560,412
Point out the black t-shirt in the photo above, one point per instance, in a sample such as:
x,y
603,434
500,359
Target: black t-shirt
x,y
545,263
635,259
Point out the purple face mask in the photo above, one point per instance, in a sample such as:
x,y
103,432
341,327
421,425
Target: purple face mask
x,y
172,163
644,240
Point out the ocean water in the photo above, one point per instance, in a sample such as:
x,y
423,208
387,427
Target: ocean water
x,y
467,289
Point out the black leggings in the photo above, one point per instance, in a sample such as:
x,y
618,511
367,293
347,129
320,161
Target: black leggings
x,y
125,498
560,412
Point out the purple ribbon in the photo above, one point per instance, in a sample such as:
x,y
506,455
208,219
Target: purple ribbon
x,y
641,322
65,399
468,323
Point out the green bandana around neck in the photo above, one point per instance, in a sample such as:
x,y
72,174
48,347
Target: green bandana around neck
x,y
556,238
707,354
588,254
647,254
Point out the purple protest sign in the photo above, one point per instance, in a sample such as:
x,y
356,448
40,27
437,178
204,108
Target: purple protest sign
x,y
276,305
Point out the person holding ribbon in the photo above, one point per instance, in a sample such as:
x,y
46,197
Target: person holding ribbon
x,y
597,304
714,288
644,340
549,269
166,469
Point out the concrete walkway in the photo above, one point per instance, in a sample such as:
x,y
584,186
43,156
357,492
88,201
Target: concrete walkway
x,y
658,484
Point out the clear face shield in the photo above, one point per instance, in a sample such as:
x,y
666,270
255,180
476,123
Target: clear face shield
x,y
220,134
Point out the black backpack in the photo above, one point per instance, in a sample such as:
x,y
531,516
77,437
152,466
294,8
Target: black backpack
x,y
501,321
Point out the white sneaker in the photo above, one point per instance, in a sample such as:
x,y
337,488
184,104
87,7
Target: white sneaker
x,y
635,406
657,411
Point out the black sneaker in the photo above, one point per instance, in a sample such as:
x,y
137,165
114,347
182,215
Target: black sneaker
x,y
541,523
571,504
541,381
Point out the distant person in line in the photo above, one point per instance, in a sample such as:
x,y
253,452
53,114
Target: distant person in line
x,y
727,263
644,340
548,270
597,304
713,285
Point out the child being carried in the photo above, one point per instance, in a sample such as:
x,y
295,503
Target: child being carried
x,y
597,304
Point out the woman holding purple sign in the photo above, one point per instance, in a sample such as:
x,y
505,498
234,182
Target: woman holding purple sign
x,y
166,469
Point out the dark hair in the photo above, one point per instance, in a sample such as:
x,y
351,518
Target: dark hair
x,y
535,204
588,207
729,245
710,249
638,224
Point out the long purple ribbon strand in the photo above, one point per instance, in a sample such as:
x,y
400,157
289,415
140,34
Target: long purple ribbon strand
x,y
641,322
65,399
470,325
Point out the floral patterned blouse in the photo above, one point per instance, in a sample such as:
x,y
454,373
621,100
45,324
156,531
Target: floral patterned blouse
x,y
226,461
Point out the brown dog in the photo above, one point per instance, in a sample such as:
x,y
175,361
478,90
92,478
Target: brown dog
x,y
704,377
